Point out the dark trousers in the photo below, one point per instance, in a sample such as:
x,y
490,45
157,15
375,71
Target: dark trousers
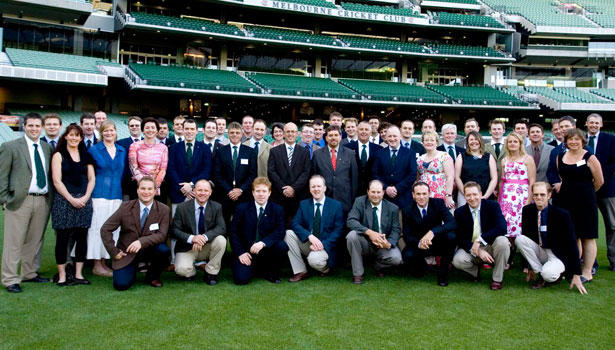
x,y
267,263
63,238
158,259
442,245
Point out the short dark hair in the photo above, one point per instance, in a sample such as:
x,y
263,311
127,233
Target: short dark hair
x,y
520,121
32,115
568,118
472,184
495,121
150,120
193,121
373,116
470,120
52,116
536,125
86,115
147,178
420,183
335,114
162,121
384,125
317,122
333,128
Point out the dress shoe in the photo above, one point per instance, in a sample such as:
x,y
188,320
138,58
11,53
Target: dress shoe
x,y
187,279
14,288
81,281
171,268
210,280
155,283
104,273
300,276
67,283
378,273
442,281
496,285
540,284
274,280
612,267
357,279
37,279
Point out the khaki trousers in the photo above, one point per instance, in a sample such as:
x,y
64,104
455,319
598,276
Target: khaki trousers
x,y
541,260
358,246
297,250
212,251
499,250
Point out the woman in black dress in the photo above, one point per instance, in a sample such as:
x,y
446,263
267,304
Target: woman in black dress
x,y
71,212
581,176
475,164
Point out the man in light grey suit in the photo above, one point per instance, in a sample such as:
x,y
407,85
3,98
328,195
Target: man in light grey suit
x,y
496,146
25,194
338,166
260,146
539,150
375,230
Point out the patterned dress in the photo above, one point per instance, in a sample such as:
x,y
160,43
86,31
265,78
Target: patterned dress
x,y
432,173
513,195
148,160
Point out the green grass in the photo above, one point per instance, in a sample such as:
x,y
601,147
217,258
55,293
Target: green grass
x,y
396,312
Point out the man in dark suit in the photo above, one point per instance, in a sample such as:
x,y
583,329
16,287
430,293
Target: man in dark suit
x,y
539,151
315,232
395,167
257,236
557,134
364,155
52,123
429,230
374,122
407,130
178,130
374,225
496,145
234,171
198,226
144,225
449,134
338,166
209,137
88,124
129,187
288,169
548,242
603,146
481,236
163,132
350,127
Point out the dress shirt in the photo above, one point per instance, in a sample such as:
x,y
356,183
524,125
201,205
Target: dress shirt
x,y
493,142
322,205
375,139
356,139
446,148
85,140
197,213
479,221
391,149
163,141
56,140
543,223
421,209
361,148
143,206
179,139
193,144
238,147
320,142
212,143
33,186
406,143
286,145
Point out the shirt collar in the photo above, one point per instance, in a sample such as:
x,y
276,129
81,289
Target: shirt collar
x,y
446,145
287,145
197,205
177,138
421,209
493,142
322,202
478,208
85,138
30,142
258,206
143,206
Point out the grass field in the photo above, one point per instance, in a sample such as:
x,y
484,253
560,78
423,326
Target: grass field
x,y
396,312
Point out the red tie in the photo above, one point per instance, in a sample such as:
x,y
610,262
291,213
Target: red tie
x,y
333,159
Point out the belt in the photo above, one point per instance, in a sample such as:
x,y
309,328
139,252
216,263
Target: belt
x,y
37,194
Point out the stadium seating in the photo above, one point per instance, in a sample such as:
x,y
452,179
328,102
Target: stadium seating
x,y
552,94
382,44
389,91
599,11
539,12
477,95
581,95
6,133
471,2
290,35
321,3
186,23
466,20
56,61
462,50
292,85
192,78
384,10
606,93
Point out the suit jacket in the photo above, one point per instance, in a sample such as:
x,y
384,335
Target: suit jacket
x,y
262,158
170,141
226,178
439,220
401,175
415,146
179,171
342,183
213,148
184,224
498,160
552,172
560,235
553,143
128,217
314,147
458,150
296,175
271,227
16,172
360,218
365,172
128,185
605,152
492,224
543,164
345,140
331,224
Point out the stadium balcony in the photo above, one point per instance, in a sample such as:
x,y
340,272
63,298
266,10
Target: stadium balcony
x,y
462,50
321,3
382,44
384,10
389,91
301,86
570,99
290,35
466,20
471,2
477,95
70,12
183,23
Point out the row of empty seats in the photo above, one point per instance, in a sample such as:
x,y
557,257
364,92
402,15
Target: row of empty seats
x,y
6,133
291,35
599,11
477,95
466,20
384,10
554,95
292,85
186,23
606,93
56,61
540,12
581,95
388,91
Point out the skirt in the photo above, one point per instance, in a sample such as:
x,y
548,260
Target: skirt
x,y
65,216
103,209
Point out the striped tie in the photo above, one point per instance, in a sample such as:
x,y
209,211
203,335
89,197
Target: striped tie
x,y
290,155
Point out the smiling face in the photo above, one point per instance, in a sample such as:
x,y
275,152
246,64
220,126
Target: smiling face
x,y
364,131
428,125
150,130
163,131
52,127
374,123
259,130
593,125
521,129
541,196
100,118
134,126
261,194
496,131
146,191
407,129
109,135
221,124
88,125
470,126
210,130
333,138
319,130
278,134
202,191
190,131
33,127
421,195
449,135
246,124
178,126
473,196
317,188
474,143
536,135
393,137
234,135
351,129
336,120
375,193
72,139
574,143
430,142
307,134
290,133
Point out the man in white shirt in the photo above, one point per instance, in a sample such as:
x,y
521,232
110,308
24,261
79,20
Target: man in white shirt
x,y
350,126
257,141
101,117
374,122
52,123
496,146
221,124
178,128
88,124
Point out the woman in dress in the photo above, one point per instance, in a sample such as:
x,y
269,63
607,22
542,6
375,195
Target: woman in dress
x,y
277,130
475,164
107,196
581,176
71,212
149,157
437,170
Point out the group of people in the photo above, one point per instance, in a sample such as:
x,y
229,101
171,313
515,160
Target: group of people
x,y
319,195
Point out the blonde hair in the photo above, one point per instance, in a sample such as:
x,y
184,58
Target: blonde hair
x,y
429,133
106,125
520,139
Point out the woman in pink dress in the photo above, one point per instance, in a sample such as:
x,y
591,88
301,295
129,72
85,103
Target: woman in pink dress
x,y
436,168
149,157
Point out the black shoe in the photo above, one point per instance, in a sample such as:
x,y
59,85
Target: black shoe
x,y
14,288
612,267
187,279
67,283
210,280
442,281
81,281
274,280
37,279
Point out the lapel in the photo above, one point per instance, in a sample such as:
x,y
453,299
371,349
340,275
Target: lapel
x,y
136,214
368,213
192,219
25,153
481,217
209,214
182,151
416,214
252,214
384,217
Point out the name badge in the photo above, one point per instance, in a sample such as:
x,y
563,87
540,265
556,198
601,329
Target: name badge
x,y
244,161
581,162
543,228
154,227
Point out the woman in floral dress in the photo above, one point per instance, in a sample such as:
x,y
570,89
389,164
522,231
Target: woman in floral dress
x,y
436,168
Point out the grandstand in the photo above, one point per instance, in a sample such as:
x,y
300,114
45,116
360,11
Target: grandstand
x,y
465,20
477,95
385,10
6,133
290,35
540,12
278,84
185,23
55,61
388,91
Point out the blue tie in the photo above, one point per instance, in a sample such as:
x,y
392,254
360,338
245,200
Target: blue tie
x,y
201,220
424,212
144,217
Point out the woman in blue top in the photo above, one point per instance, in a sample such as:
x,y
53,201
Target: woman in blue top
x,y
109,165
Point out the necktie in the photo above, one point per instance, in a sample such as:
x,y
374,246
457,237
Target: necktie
x,y
179,139
476,228
309,147
234,157
135,140
333,159
394,157
189,153
375,224
88,144
53,144
216,140
536,156
144,217
364,155
258,220
539,232
40,171
423,212
451,152
592,143
407,144
201,220
497,150
290,155
316,223
257,147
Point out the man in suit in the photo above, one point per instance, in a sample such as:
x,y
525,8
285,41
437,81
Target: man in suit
x,y
395,167
209,137
178,129
319,131
247,122
429,230
481,236
198,226
129,187
375,230
52,123
288,169
548,243
336,118
449,134
144,225
163,132
25,195
603,145
407,130
234,169
88,124
307,138
350,127
496,146
470,125
221,129
557,134
260,146
520,126
257,236
374,122
364,152
315,231
429,125
539,151
338,166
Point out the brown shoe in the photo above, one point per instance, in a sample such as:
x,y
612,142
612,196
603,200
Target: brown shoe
x,y
171,268
201,267
155,283
378,273
496,285
298,277
540,284
357,279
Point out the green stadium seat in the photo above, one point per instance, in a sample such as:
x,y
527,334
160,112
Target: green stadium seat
x,y
385,10
292,85
466,20
394,92
540,12
56,61
290,35
186,23
477,95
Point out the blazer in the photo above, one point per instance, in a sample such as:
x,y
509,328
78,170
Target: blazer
x,y
179,171
226,178
16,172
401,175
605,152
439,220
342,183
552,172
271,227
331,224
127,184
296,175
492,223
213,148
498,160
415,146
360,218
184,224
457,150
365,172
128,217
314,147
543,164
262,157
553,143
560,235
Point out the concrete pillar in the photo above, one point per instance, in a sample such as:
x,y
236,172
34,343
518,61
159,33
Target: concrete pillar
x,y
180,55
403,75
78,43
491,40
222,58
317,66
490,75
77,102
